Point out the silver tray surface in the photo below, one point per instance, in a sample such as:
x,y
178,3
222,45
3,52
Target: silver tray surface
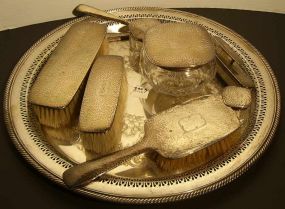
x,y
137,181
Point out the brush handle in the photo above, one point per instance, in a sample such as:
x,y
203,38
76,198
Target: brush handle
x,y
84,173
83,9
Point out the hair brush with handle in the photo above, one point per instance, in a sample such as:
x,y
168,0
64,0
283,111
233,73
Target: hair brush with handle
x,y
174,133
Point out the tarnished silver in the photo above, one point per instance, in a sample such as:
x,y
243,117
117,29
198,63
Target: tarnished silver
x,y
230,66
178,58
175,133
82,10
237,97
139,180
136,29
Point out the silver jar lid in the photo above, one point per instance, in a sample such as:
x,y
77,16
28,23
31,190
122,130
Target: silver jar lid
x,y
179,46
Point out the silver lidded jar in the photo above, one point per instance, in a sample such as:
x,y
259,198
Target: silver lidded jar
x,y
138,29
177,58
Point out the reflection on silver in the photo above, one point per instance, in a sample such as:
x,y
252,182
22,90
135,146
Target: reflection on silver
x,y
118,185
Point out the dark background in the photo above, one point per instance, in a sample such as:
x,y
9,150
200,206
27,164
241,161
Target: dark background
x,y
263,186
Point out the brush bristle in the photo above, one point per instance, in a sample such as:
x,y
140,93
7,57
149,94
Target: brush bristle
x,y
199,158
64,135
106,142
57,118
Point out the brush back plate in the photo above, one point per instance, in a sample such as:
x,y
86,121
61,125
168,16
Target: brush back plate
x,y
139,180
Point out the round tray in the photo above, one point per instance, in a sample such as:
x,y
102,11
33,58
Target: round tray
x,y
130,182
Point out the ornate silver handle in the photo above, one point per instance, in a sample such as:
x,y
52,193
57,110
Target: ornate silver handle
x,y
83,9
82,174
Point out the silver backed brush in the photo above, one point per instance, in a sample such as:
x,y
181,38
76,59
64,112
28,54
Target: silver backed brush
x,y
175,133
102,109
56,93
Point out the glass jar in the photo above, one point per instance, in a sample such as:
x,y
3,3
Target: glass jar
x,y
135,49
176,81
138,28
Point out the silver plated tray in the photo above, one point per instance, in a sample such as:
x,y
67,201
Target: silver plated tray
x,y
139,180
